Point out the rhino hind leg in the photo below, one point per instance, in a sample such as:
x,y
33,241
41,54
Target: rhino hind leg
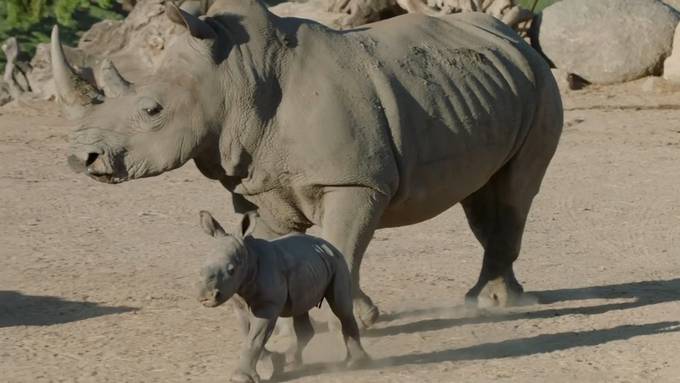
x,y
304,333
497,212
499,227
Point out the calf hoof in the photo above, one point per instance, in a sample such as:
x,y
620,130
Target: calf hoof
x,y
284,327
277,361
293,364
245,377
499,292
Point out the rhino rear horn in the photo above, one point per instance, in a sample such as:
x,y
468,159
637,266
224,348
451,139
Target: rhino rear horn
x,y
197,27
75,94
111,81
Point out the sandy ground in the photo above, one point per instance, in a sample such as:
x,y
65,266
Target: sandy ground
x,y
96,281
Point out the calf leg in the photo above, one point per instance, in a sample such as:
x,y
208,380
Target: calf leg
x,y
243,317
304,332
258,334
339,298
350,216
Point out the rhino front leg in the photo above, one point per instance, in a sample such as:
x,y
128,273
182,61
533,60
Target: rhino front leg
x,y
350,216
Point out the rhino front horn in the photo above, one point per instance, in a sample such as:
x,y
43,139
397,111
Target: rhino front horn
x,y
74,93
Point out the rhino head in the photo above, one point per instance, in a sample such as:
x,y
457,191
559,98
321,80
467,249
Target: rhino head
x,y
128,131
227,268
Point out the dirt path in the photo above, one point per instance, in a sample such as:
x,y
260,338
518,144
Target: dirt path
x,y
96,280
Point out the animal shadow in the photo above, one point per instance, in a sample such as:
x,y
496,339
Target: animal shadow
x,y
539,344
17,309
638,294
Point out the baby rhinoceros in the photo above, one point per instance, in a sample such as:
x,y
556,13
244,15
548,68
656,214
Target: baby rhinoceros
x,y
280,278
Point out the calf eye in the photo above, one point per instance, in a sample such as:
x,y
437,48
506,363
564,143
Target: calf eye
x,y
153,110
230,269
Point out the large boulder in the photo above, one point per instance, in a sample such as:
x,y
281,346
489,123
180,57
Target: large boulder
x,y
317,10
136,45
5,95
673,3
671,67
607,41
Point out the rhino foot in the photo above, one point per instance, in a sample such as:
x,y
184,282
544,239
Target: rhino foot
x,y
366,313
245,377
358,361
500,292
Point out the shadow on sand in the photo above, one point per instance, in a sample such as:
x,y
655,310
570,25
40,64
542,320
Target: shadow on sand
x,y
639,293
506,349
17,309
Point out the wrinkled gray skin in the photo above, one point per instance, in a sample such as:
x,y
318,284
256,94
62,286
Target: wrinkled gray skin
x,y
378,127
285,277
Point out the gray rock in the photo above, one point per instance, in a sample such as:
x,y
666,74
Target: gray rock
x,y
671,67
607,41
672,3
5,95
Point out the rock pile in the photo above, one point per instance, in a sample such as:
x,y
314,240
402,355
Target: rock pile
x,y
343,14
136,45
602,42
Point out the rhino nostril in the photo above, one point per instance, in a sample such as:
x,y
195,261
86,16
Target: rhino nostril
x,y
217,295
91,158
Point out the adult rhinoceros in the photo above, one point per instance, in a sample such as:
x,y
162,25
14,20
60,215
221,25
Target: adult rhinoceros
x,y
378,127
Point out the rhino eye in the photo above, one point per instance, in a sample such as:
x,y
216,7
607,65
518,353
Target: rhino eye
x,y
230,269
153,110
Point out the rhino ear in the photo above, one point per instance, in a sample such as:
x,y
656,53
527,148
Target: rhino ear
x,y
197,27
248,223
210,226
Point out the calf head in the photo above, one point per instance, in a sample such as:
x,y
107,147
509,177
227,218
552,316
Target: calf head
x,y
127,131
227,268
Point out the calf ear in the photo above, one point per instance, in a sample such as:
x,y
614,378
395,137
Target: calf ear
x,y
197,27
248,223
210,226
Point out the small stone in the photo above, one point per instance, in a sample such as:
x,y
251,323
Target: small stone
x,y
568,81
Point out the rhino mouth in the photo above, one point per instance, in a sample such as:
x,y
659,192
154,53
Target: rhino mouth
x,y
216,299
106,178
98,168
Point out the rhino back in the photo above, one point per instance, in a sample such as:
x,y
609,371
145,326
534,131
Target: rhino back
x,y
459,95
414,107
